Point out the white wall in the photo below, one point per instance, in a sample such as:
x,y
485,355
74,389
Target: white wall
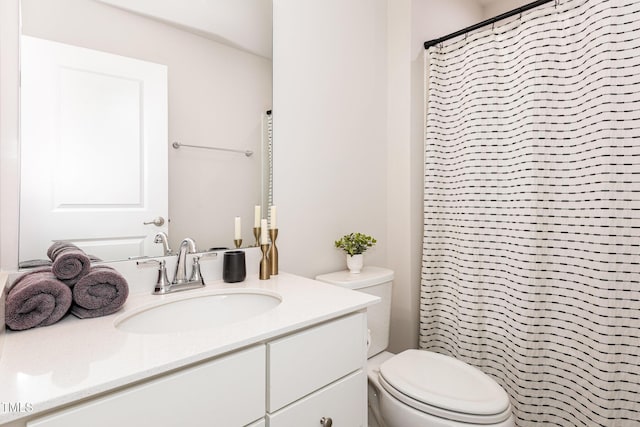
x,y
410,24
432,19
9,13
401,218
329,82
498,7
348,111
217,95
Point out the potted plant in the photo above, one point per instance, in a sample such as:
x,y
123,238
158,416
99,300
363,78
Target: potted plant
x,y
355,244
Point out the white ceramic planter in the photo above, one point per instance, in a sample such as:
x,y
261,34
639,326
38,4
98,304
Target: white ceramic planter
x,y
355,263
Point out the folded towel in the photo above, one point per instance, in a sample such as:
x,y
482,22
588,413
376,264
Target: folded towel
x,y
32,263
101,292
36,298
70,263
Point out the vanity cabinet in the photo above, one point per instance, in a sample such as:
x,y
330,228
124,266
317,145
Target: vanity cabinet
x,y
214,393
293,381
343,402
319,373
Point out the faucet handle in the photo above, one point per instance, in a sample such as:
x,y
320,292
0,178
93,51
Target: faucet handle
x,y
196,275
207,256
162,283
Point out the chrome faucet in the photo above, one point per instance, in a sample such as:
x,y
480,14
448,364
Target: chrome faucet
x,y
161,237
180,276
163,286
180,281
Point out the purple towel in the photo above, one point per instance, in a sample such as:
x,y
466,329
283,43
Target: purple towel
x,y
101,292
36,299
70,263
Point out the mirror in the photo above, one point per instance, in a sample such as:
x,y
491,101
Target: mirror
x,y
218,90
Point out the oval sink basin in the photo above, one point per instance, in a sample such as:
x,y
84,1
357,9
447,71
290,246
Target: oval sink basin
x,y
198,312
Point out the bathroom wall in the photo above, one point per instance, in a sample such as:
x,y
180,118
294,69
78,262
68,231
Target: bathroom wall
x,y
497,7
348,117
329,82
405,168
9,12
217,96
411,23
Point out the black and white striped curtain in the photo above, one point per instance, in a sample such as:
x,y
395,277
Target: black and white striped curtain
x,y
531,265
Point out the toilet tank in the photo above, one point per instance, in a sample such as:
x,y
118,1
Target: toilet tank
x,y
374,281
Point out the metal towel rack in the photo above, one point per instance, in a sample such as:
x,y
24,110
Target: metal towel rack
x,y
247,153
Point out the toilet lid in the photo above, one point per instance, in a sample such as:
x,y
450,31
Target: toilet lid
x,y
444,382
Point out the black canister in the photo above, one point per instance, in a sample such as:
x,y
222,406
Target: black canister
x,y
234,267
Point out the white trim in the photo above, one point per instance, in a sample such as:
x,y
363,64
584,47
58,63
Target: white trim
x,y
9,132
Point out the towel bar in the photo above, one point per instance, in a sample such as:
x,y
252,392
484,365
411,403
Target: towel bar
x,y
247,153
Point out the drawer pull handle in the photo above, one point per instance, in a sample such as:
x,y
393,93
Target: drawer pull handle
x,y
326,422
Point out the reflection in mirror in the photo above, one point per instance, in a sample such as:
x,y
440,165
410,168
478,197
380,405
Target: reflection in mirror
x,y
267,161
217,97
93,173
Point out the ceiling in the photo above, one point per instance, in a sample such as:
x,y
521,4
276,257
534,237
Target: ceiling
x,y
243,24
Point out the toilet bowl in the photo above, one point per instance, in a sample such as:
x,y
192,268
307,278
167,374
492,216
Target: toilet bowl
x,y
419,388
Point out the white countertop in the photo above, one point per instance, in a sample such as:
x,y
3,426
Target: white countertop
x,y
74,359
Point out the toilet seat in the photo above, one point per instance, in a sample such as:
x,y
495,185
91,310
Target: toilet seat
x,y
444,387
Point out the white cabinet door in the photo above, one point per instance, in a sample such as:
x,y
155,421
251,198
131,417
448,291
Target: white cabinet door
x,y
302,363
94,144
345,402
228,391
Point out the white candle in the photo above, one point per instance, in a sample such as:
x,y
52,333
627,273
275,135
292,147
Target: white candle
x,y
238,230
273,217
256,217
264,239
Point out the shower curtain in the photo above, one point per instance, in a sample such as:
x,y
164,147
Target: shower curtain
x,y
531,263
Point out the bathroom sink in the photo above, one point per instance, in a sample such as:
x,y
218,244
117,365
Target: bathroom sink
x,y
197,312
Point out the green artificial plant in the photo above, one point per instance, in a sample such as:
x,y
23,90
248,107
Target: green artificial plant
x,y
355,243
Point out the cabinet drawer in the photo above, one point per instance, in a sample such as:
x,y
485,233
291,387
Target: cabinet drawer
x,y
345,402
307,361
214,393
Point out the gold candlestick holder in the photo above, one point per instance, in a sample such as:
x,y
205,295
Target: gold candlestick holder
x,y
265,268
237,242
256,234
273,251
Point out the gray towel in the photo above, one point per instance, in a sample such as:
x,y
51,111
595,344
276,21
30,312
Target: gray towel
x,y
36,299
33,263
101,292
70,263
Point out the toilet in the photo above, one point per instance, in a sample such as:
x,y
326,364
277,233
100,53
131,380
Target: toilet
x,y
418,388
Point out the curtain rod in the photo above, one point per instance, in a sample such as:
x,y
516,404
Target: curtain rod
x,y
486,22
